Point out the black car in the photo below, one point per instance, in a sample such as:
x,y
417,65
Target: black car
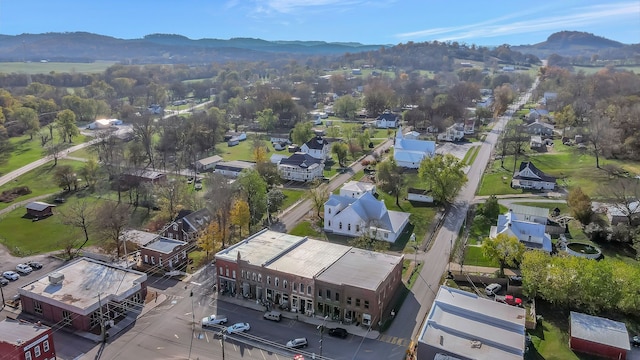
x,y
34,265
338,332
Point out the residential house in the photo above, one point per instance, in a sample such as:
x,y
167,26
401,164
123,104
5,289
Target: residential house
x,y
463,325
419,195
356,72
318,147
619,213
355,189
163,254
275,158
534,214
233,168
454,132
412,135
537,114
470,126
282,138
188,225
39,209
530,177
364,215
83,293
23,340
409,153
531,234
536,142
540,128
102,124
387,120
346,284
139,176
598,336
208,163
301,167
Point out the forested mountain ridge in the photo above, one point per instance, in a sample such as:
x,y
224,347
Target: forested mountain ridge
x,y
577,43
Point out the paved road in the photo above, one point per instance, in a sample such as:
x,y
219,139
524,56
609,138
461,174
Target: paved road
x,y
410,317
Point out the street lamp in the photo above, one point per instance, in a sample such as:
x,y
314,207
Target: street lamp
x,y
321,328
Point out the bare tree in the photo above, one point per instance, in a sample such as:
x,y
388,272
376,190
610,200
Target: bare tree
x,y
79,214
54,150
111,219
144,128
625,194
219,199
598,127
318,194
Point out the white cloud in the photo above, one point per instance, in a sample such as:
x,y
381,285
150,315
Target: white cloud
x,y
574,17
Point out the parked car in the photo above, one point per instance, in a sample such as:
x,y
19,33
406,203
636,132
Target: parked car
x,y
635,341
515,279
214,320
272,315
338,332
492,289
4,281
198,186
24,269
35,265
511,300
239,327
190,180
297,343
11,275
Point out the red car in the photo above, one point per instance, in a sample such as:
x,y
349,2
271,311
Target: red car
x,y
511,300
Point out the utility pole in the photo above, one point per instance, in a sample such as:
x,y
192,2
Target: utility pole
x,y
103,333
321,327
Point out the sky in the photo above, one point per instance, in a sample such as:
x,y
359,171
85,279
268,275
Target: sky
x,y
387,22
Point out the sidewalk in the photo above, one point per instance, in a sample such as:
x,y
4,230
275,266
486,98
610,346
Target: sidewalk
x,y
314,320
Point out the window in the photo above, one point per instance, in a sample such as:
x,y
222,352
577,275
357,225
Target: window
x,y
329,210
337,297
153,260
329,223
253,276
37,307
234,274
357,228
227,272
36,351
340,225
268,280
386,235
221,271
27,355
302,288
259,277
242,274
319,292
294,287
66,317
309,290
45,346
277,282
366,304
175,227
146,258
160,260
349,300
357,302
284,284
328,294
349,227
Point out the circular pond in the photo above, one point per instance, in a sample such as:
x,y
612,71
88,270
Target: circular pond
x,y
583,250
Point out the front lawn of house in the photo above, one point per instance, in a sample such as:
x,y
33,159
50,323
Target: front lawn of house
x,y
26,151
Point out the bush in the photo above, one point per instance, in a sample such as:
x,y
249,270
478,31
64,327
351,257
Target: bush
x,y
8,196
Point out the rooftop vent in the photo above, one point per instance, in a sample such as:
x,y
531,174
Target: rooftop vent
x,y
56,278
476,344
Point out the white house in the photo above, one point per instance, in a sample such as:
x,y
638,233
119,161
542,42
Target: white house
x,y
413,135
103,124
530,213
419,195
233,168
301,167
355,189
531,234
387,120
364,215
317,147
454,132
207,163
530,177
409,153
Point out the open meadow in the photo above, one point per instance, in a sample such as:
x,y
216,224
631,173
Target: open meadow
x,y
55,67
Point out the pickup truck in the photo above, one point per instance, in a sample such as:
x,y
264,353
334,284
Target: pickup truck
x,y
214,320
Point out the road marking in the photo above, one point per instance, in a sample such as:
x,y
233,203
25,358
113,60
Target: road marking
x,y
206,336
176,335
262,352
195,283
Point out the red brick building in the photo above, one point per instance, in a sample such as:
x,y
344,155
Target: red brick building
x,y
22,340
189,225
163,254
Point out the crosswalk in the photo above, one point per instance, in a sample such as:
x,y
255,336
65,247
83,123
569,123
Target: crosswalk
x,y
394,340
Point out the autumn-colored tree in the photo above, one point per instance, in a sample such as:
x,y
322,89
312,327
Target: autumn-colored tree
x,y
240,215
580,204
210,238
505,249
259,151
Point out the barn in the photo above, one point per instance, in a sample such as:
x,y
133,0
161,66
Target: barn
x,y
39,209
598,336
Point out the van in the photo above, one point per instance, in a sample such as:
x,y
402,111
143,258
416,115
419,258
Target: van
x,y
273,316
492,289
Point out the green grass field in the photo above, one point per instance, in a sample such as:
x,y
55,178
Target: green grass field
x,y
56,67
473,256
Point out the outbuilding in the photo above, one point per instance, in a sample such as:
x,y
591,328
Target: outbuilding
x,y
598,336
39,209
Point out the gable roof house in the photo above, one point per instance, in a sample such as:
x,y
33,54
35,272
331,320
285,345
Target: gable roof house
x,y
39,209
188,226
387,120
301,167
356,216
463,325
454,132
540,128
318,147
537,114
207,163
409,153
233,168
355,189
619,213
530,177
531,234
598,336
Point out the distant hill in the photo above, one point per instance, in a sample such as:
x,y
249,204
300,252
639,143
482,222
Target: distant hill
x,y
573,43
160,48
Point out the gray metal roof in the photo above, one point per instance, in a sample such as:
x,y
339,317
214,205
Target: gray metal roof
x,y
260,248
360,268
19,332
38,205
473,327
599,330
164,245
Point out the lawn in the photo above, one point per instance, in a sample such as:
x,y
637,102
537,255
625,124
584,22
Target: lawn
x,y
244,150
85,153
39,181
473,256
305,228
58,67
291,196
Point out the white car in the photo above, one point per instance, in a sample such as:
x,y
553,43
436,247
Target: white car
x,y
214,320
239,327
11,275
24,269
492,289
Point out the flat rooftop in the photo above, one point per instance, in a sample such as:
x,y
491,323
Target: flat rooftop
x,y
360,268
260,248
83,280
164,245
303,260
16,332
139,237
467,325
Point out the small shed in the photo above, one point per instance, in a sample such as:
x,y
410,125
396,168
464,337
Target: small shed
x,y
598,336
39,209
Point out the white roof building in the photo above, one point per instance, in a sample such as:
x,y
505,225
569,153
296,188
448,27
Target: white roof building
x,y
355,189
531,234
409,153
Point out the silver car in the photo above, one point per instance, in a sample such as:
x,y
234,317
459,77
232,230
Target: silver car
x,y
11,275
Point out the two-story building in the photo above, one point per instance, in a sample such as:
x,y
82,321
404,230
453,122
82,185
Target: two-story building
x,y
301,167
22,340
387,120
318,147
163,254
188,225
530,177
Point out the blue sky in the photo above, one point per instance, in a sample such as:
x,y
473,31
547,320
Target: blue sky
x,y
366,21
